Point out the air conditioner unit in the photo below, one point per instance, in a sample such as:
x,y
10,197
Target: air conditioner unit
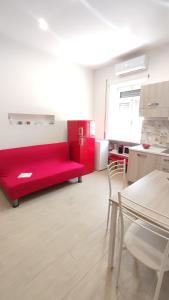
x,y
132,65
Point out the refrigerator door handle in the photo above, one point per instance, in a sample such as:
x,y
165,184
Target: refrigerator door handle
x,y
81,141
80,131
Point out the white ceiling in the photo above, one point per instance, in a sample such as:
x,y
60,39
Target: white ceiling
x,y
89,32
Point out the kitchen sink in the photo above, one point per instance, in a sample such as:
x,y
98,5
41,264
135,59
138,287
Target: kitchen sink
x,y
166,151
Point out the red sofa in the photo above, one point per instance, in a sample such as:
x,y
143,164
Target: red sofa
x,y
49,165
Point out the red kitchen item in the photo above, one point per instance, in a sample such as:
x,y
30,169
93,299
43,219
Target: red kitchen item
x,y
81,139
146,146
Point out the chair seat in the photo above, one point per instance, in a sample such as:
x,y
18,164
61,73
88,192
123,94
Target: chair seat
x,y
146,246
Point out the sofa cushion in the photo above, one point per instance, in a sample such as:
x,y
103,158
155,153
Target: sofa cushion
x,y
16,158
44,174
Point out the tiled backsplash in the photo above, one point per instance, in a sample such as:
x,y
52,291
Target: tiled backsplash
x,y
155,132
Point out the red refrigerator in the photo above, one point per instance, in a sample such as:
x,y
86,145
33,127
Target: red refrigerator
x,y
81,138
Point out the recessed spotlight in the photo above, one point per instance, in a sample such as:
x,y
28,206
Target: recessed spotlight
x,y
43,24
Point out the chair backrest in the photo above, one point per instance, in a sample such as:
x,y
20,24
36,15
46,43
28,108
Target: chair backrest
x,y
144,223
113,169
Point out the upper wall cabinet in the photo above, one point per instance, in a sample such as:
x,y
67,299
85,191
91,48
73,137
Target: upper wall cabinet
x,y
154,101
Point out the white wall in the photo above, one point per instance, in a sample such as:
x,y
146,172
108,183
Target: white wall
x,y
158,71
32,82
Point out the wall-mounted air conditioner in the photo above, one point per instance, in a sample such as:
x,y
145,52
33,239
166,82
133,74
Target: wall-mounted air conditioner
x,y
132,65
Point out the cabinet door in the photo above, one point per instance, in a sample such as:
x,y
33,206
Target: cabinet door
x,y
146,91
164,94
150,96
154,101
154,112
140,164
163,164
132,169
147,163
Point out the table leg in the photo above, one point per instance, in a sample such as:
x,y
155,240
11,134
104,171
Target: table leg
x,y
112,237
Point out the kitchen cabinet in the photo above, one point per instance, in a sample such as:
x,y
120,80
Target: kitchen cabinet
x,y
154,100
140,164
163,164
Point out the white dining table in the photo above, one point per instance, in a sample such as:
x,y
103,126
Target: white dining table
x,y
147,197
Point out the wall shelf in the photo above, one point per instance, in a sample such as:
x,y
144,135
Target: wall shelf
x,y
30,119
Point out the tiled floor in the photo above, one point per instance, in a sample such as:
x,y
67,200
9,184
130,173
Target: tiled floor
x,y
54,246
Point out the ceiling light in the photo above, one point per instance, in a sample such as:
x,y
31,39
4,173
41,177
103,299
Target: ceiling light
x,y
43,24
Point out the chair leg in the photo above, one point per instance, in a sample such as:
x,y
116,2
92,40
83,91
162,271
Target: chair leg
x,y
159,283
108,216
121,225
161,273
112,235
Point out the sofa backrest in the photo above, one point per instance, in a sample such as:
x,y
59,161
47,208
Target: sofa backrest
x,y
16,157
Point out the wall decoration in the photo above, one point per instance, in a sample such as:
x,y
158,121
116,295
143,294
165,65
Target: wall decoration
x,y
30,119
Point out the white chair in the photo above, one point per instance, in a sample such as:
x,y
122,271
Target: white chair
x,y
146,242
113,170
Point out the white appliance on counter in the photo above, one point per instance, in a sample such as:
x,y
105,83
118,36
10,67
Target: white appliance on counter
x,y
101,154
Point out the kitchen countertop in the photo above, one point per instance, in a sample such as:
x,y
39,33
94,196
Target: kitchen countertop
x,y
151,150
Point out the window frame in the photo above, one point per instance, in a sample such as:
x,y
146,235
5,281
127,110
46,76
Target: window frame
x,y
124,85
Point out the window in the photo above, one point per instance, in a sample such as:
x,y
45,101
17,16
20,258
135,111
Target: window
x,y
123,121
